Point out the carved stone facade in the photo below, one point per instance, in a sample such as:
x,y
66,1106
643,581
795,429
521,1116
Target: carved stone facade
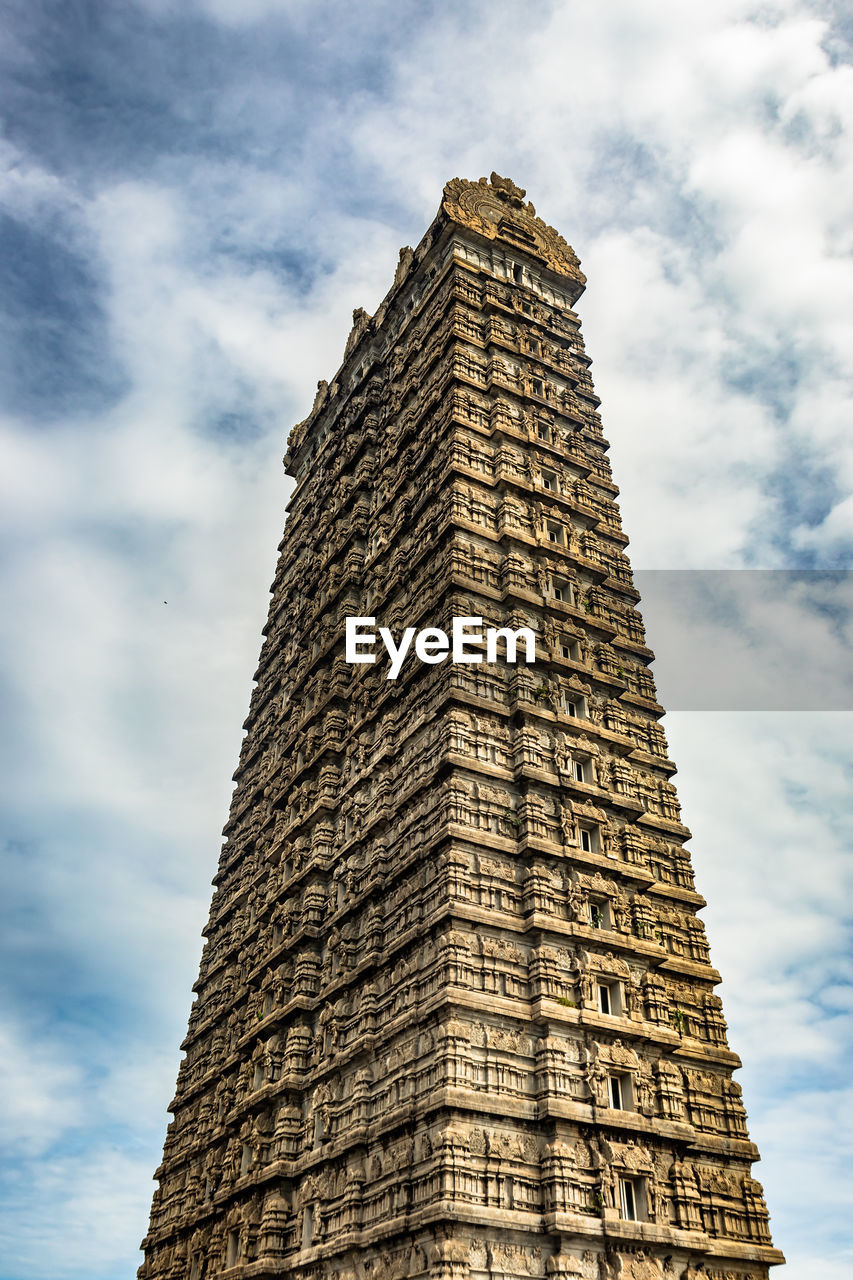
x,y
455,1016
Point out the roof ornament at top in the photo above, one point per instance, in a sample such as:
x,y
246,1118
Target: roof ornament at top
x,y
505,189
496,209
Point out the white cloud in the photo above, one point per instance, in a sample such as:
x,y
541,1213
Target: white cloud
x,y
94,1202
38,1093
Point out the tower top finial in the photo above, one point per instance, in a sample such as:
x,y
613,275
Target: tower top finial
x,y
505,189
496,208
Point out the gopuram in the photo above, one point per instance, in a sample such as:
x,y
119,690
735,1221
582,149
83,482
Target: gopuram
x,y
455,1017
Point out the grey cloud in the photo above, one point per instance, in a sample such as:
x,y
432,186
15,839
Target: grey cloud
x,y
750,639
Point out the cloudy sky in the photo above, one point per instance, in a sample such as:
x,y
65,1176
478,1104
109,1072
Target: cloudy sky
x,y
195,196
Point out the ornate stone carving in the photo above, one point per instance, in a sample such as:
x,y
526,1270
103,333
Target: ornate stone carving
x,y
496,209
455,1005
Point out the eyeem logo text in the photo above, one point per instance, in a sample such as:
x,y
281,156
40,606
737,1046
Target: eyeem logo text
x,y
464,644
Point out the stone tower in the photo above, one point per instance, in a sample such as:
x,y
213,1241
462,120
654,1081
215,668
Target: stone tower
x,y
455,1015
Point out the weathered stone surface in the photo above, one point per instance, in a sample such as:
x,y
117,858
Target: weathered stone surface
x,y
400,1061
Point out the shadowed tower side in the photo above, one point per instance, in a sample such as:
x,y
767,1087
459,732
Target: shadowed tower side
x,y
455,1015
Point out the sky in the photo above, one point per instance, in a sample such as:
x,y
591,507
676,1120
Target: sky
x,y
194,196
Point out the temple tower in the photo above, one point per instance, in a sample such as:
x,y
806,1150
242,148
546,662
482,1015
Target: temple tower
x,y
455,1015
